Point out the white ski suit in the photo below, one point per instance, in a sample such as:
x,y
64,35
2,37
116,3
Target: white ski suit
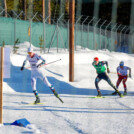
x,y
36,72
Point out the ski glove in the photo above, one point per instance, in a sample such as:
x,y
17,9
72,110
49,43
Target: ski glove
x,y
118,74
22,68
39,65
108,71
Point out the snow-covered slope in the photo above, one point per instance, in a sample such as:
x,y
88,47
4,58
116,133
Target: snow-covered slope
x,y
78,113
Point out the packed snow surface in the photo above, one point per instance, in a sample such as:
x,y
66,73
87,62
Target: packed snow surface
x,y
79,114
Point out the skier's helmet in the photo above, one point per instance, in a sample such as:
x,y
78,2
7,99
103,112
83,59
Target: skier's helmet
x,y
122,63
96,59
30,49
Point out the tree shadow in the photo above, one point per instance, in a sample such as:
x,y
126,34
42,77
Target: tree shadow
x,y
71,109
20,81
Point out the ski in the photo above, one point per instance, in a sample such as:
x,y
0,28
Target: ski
x,y
35,103
114,95
106,96
26,103
98,97
60,99
57,96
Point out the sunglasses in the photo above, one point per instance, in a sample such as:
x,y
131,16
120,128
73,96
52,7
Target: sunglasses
x,y
121,65
29,52
95,61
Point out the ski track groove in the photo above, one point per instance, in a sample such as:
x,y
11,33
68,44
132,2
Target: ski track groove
x,y
69,123
121,104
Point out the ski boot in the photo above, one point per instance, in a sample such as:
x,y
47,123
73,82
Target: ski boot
x,y
121,95
37,100
99,94
53,90
55,93
125,93
114,93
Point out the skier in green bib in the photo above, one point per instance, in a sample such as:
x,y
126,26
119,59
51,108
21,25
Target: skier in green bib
x,y
101,71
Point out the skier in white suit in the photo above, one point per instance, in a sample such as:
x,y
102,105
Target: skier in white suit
x,y
37,72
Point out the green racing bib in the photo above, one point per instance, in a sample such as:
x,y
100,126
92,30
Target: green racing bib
x,y
100,68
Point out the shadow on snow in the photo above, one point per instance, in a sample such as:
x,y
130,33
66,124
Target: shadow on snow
x,y
20,81
72,109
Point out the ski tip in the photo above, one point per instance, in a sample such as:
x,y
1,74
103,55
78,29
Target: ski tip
x,y
122,96
97,97
61,100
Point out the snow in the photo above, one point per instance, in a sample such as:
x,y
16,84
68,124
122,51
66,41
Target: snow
x,y
79,114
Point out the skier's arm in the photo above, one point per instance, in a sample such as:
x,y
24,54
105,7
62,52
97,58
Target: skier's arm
x,y
118,73
93,64
106,63
129,72
43,61
24,63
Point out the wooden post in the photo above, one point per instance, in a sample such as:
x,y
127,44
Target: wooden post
x,y
43,8
1,84
71,39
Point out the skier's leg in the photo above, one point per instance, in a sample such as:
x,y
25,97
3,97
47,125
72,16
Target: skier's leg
x,y
33,83
118,82
111,84
117,85
45,80
124,84
97,80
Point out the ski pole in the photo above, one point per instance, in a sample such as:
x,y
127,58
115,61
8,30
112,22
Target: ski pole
x,y
128,76
47,63
113,72
51,62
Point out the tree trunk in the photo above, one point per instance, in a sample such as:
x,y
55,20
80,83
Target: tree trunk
x,y
5,6
43,8
25,11
67,6
49,11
